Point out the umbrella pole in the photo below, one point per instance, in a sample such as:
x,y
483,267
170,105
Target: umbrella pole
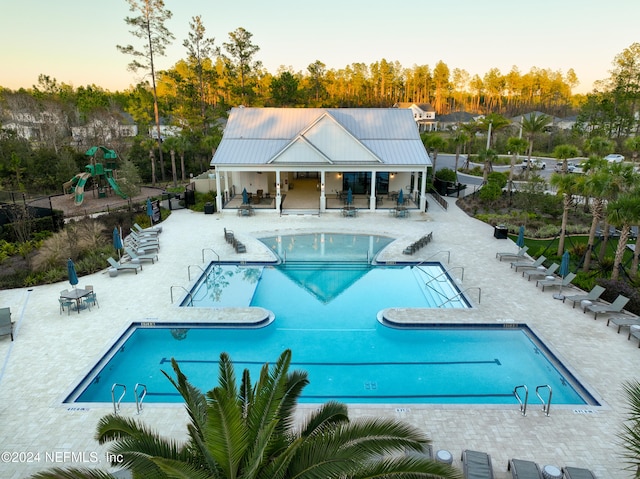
x,y
559,294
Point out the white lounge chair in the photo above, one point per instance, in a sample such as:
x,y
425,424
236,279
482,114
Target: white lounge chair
x,y
124,267
624,321
522,265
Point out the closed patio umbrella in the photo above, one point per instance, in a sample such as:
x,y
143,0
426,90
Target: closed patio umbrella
x,y
400,198
245,197
117,240
520,241
71,270
149,210
349,197
564,271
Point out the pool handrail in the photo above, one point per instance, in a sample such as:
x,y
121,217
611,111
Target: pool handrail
x,y
185,290
116,405
139,398
523,404
443,273
545,406
189,270
435,254
461,293
209,249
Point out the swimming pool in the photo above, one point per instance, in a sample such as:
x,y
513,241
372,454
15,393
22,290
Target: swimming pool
x,y
453,364
327,312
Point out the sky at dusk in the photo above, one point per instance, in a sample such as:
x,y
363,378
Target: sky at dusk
x,y
74,41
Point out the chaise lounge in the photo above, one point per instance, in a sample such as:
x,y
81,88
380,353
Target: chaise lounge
x,y
124,267
546,283
522,265
615,307
540,273
577,473
511,254
6,325
521,469
593,296
476,465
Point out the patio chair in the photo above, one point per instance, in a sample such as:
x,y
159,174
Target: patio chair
x,y
149,231
623,321
615,307
142,248
524,469
6,325
140,239
65,302
124,267
593,295
522,265
577,473
540,273
91,299
153,257
547,283
511,254
476,465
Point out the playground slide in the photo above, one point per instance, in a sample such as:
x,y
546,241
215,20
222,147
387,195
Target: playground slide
x,y
115,187
79,191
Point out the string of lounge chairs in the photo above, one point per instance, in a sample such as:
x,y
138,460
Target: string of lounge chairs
x,y
416,245
232,240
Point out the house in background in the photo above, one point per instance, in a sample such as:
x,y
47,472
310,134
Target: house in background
x,y
370,151
423,114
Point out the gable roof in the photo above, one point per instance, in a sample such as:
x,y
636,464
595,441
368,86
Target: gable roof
x,y
323,136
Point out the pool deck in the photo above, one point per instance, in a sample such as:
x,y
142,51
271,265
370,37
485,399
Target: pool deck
x,y
53,351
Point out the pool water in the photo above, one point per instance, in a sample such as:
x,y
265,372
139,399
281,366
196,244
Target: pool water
x,y
326,298
352,363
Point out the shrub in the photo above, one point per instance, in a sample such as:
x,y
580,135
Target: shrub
x,y
614,288
446,174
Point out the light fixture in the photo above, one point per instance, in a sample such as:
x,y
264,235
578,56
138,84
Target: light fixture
x,y
339,175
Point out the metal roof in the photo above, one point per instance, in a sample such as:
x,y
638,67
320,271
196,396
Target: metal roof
x,y
343,136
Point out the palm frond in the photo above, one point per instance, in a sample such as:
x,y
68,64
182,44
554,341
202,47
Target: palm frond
x,y
80,473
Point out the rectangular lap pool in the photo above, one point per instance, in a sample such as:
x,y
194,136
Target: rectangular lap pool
x,y
457,364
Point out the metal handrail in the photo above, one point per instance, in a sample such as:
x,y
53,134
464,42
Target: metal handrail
x,y
139,398
209,249
523,405
189,270
461,293
185,290
545,406
443,273
435,254
116,406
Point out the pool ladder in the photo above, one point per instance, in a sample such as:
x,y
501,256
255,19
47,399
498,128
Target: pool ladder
x,y
139,391
546,405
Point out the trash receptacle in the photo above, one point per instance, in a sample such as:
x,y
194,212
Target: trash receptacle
x,y
500,232
208,208
189,197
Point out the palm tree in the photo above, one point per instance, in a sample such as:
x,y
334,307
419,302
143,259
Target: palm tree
x,y
630,434
533,125
249,431
487,156
595,186
633,144
564,152
567,186
516,146
434,143
458,139
598,146
623,212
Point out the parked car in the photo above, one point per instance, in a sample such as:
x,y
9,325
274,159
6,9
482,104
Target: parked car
x,y
536,164
614,158
570,167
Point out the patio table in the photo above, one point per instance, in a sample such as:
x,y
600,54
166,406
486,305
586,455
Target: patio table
x,y
76,294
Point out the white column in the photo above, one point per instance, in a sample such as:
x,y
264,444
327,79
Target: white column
x,y
372,198
423,190
218,191
323,198
278,191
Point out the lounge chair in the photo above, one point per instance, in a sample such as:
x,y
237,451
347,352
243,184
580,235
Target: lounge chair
x,y
615,307
6,325
528,264
142,248
577,473
593,295
623,321
151,231
153,257
547,283
476,465
124,267
524,469
540,273
141,239
635,333
511,254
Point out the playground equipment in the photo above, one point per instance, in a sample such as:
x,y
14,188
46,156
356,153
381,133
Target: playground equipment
x,y
101,173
